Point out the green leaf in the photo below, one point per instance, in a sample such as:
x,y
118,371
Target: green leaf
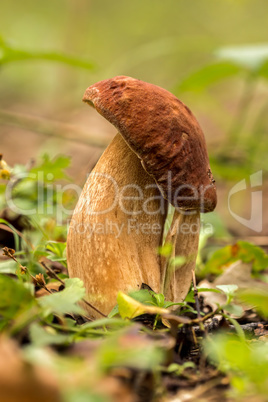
x,y
41,336
130,308
178,369
178,261
208,290
114,312
9,53
110,323
15,298
143,296
207,75
129,348
65,301
51,169
227,289
165,250
245,363
232,61
146,297
234,309
229,168
190,296
56,251
168,304
56,247
256,298
244,251
239,330
159,299
8,267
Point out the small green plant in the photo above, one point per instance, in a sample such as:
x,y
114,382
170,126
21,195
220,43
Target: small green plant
x,y
39,301
245,362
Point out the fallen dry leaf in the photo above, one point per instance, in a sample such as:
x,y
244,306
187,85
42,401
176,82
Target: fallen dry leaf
x,y
22,382
238,274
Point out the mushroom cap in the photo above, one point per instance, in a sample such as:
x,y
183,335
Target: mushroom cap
x,y
164,134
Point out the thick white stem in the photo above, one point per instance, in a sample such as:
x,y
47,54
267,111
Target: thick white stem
x,y
116,228
184,236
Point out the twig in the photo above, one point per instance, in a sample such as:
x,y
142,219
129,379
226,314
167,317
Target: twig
x,y
37,280
94,308
53,274
215,325
62,282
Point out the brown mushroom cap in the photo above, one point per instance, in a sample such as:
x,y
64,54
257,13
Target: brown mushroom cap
x,y
164,134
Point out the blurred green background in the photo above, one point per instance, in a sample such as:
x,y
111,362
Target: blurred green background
x,y
212,54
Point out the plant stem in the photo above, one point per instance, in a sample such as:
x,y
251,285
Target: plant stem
x,y
184,237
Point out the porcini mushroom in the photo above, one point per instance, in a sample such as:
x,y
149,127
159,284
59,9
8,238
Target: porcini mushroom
x,y
158,157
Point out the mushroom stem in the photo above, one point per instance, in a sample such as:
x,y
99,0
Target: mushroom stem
x,y
116,228
184,237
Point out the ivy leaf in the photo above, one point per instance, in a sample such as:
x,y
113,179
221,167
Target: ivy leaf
x,y
64,302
